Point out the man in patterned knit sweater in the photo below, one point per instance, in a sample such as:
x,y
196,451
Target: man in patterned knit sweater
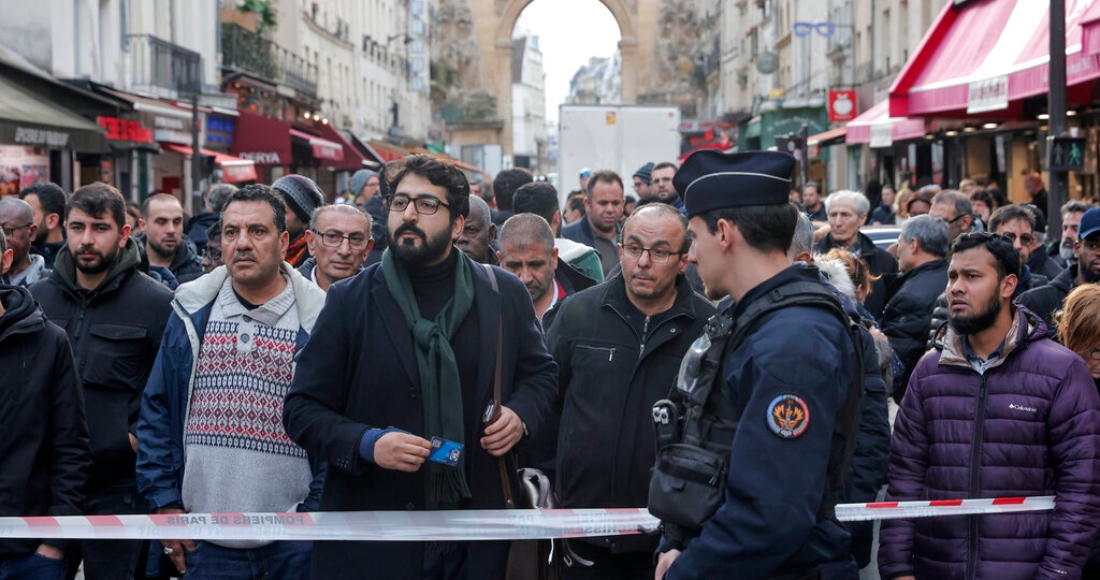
x,y
212,433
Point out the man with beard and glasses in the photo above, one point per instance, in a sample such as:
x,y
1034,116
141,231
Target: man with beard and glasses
x,y
162,239
211,420
402,358
619,346
47,200
600,226
1062,252
1044,301
997,409
114,316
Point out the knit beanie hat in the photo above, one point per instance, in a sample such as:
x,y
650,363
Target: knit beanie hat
x,y
359,179
301,194
645,172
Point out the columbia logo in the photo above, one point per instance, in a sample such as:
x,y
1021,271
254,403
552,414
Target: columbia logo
x,y
1022,408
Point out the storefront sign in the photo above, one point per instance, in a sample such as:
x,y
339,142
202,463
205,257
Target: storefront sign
x,y
46,137
261,157
988,95
219,131
125,130
882,135
842,106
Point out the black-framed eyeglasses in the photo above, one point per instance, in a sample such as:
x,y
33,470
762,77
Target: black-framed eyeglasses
x,y
1025,239
356,241
657,255
424,204
955,219
1094,354
9,232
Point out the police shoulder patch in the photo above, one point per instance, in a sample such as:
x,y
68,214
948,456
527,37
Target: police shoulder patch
x,y
788,416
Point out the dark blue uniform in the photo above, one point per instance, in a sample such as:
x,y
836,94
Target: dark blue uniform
x,y
790,376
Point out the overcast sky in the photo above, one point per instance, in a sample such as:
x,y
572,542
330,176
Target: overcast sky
x,y
570,32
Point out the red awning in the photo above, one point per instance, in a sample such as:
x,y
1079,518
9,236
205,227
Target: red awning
x,y
988,55
262,140
1090,30
353,159
827,138
876,127
323,149
234,169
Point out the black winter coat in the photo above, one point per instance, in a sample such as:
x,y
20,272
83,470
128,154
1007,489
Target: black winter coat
x,y
358,371
610,377
44,456
115,331
879,263
909,313
1044,301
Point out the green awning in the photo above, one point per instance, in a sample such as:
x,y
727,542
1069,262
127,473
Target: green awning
x,y
34,120
752,129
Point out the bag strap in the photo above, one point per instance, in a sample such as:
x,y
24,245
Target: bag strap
x,y
509,502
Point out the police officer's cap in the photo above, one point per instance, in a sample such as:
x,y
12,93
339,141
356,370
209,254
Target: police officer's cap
x,y
710,180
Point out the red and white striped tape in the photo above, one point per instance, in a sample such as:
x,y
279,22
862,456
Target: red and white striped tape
x,y
855,512
390,526
446,526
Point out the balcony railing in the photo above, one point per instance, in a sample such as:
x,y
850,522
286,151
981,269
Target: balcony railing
x,y
162,68
248,52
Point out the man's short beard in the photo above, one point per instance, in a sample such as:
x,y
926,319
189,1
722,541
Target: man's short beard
x,y
162,251
976,323
1066,253
432,249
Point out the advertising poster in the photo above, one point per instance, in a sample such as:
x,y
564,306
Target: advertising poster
x,y
22,167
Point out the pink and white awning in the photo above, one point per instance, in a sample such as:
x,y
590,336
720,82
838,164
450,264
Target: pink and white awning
x,y
988,55
877,128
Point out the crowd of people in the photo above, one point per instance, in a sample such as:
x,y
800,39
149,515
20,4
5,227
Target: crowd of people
x,y
718,347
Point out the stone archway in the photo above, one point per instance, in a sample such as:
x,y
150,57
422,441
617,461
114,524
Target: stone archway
x,y
474,54
660,46
627,14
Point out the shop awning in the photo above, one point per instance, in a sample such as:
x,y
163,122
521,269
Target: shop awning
x,y
323,149
876,127
827,138
32,119
353,159
262,140
387,151
459,164
1090,30
371,158
234,169
986,56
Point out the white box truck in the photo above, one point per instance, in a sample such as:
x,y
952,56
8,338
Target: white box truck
x,y
617,137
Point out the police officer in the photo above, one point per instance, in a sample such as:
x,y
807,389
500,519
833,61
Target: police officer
x,y
775,380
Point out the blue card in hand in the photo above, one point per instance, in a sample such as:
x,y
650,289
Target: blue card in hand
x,y
445,451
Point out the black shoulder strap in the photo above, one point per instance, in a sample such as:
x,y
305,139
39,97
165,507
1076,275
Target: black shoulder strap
x,y
814,294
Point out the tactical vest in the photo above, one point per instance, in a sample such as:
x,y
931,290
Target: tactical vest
x,y
695,427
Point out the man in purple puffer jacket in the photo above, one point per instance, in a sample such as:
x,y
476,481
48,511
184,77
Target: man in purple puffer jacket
x,y
996,410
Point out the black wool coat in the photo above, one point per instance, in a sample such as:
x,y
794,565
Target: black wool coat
x,y
358,371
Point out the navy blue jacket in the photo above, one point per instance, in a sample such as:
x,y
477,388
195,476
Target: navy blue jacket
x,y
776,485
359,371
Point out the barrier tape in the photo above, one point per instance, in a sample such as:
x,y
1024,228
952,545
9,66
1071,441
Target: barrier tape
x,y
388,526
444,526
857,512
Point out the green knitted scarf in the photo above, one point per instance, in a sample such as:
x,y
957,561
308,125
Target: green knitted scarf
x,y
440,385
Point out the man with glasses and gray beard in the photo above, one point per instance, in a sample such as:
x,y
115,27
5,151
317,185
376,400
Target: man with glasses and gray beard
x,y
339,240
1045,300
